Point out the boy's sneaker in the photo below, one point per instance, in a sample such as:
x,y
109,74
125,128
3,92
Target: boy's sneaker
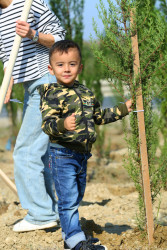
x,y
94,241
86,245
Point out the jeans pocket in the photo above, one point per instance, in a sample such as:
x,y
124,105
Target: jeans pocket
x,y
61,153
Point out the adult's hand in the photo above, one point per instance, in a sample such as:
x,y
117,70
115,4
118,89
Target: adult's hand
x,y
23,29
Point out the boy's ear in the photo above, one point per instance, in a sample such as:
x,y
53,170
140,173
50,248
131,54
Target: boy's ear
x,y
80,68
50,69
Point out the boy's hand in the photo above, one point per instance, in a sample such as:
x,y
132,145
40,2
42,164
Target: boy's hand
x,y
69,122
128,105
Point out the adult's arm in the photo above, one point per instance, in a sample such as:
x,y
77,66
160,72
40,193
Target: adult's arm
x,y
23,29
46,22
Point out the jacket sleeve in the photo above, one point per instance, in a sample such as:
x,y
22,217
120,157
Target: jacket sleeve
x,y
52,123
46,21
108,115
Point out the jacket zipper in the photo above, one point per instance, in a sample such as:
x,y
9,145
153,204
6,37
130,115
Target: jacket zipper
x,y
84,120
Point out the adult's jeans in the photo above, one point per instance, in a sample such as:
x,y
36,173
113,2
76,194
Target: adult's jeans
x,y
69,172
33,176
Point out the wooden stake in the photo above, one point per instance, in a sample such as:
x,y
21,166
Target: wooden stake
x,y
13,56
142,138
10,184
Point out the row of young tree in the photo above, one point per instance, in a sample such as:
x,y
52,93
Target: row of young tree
x,y
111,57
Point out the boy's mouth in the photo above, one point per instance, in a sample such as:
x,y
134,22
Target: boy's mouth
x,y
66,76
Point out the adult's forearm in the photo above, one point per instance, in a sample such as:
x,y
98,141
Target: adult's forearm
x,y
23,29
46,40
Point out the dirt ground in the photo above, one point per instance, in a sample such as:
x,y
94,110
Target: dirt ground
x,y
108,210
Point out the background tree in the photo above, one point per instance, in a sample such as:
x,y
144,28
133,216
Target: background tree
x,y
70,13
151,38
163,7
13,109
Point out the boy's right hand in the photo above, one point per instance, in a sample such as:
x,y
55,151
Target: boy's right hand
x,y
69,122
129,105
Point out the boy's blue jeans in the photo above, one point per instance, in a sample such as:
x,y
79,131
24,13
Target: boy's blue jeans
x,y
69,171
31,160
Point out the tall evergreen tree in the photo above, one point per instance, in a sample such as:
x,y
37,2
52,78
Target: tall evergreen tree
x,y
70,13
117,38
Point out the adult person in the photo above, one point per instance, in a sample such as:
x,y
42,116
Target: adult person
x,y
31,168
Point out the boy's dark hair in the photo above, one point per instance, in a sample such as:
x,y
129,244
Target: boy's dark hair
x,y
63,46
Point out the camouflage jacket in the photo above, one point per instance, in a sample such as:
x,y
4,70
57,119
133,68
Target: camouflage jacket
x,y
59,102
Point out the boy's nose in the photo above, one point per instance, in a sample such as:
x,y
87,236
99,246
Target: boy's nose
x,y
67,68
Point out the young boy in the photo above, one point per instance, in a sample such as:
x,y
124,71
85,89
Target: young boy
x,y
70,112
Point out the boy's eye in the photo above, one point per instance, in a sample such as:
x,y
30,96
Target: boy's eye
x,y
73,64
60,64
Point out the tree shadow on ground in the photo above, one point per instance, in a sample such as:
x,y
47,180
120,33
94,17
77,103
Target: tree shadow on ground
x,y
87,203
115,229
90,227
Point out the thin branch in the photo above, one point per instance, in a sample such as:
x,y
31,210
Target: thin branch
x,y
154,71
112,41
143,22
117,33
156,94
118,91
124,18
150,59
106,45
114,71
140,42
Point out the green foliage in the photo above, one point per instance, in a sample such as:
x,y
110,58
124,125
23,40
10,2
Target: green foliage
x,y
163,99
93,71
119,28
163,6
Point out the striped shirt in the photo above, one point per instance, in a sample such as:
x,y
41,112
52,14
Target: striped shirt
x,y
32,60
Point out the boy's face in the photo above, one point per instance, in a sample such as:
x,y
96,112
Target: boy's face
x,y
65,66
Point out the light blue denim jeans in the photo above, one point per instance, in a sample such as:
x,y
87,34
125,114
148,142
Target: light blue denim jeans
x,y
69,172
33,176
